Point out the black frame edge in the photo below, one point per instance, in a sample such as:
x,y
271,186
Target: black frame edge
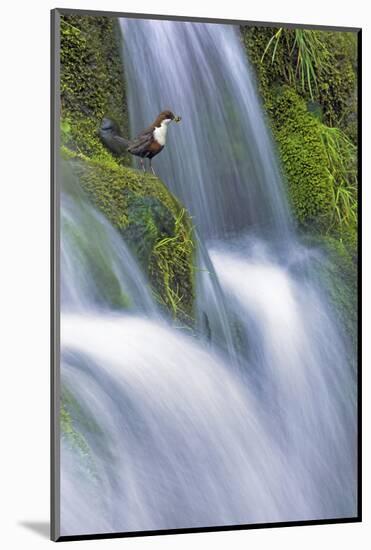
x,y
54,279
193,530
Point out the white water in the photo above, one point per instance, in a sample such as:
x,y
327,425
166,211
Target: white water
x,y
174,434
97,269
201,72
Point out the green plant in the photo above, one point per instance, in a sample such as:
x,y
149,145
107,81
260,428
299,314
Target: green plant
x,y
171,255
342,167
303,159
146,214
274,40
65,128
317,149
309,52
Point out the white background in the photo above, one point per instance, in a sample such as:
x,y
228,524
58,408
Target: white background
x,y
24,271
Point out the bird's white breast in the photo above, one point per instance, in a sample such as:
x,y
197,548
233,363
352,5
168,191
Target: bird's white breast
x,y
160,133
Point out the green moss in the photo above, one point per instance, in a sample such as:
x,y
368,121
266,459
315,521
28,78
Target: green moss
x,y
304,159
338,273
318,161
92,82
170,258
71,433
315,134
255,40
337,82
297,130
333,58
94,257
152,222
150,219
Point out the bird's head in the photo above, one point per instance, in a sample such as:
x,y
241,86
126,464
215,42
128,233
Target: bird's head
x,y
166,117
109,126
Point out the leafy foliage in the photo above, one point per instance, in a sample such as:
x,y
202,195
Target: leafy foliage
x,y
170,256
308,52
319,65
308,81
342,166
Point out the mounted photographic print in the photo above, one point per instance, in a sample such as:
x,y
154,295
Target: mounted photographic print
x,y
205,193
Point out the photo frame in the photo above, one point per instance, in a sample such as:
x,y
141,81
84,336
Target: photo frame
x,y
206,275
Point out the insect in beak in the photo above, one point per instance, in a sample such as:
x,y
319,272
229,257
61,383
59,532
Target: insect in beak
x,y
177,118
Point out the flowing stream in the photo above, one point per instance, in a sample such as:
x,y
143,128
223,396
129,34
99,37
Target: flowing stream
x,y
252,421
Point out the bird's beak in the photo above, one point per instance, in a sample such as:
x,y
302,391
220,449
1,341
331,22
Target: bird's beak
x,y
177,118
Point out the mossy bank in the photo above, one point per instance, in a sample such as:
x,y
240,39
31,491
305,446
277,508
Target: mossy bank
x,y
313,119
308,83
151,220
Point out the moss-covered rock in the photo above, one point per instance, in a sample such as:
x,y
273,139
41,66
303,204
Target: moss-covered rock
x,y
152,222
315,131
92,82
304,159
338,274
320,171
337,82
73,422
334,62
150,219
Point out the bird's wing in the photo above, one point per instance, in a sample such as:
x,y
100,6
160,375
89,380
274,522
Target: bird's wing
x,y
141,143
115,143
109,133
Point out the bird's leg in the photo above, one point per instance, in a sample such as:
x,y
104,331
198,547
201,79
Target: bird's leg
x,y
143,165
151,167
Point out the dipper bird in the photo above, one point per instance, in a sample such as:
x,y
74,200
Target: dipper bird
x,y
147,144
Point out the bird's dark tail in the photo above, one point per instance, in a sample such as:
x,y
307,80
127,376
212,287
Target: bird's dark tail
x,y
109,133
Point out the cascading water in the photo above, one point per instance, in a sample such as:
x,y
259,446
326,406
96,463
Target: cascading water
x,y
200,71
97,269
170,434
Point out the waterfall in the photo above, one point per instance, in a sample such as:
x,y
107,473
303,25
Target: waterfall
x,y
200,71
170,434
